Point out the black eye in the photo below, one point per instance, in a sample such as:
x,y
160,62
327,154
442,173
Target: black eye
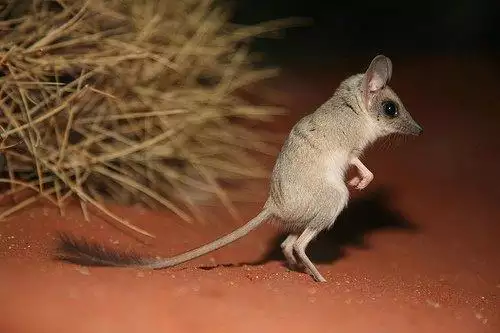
x,y
390,109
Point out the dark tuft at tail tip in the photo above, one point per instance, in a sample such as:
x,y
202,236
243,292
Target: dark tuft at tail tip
x,y
82,252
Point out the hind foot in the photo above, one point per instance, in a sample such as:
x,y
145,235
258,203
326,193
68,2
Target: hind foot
x,y
287,248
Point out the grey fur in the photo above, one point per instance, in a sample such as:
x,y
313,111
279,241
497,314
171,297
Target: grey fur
x,y
307,186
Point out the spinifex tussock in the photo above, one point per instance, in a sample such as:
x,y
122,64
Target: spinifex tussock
x,y
131,101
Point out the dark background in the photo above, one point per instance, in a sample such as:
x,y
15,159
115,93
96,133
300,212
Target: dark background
x,y
364,28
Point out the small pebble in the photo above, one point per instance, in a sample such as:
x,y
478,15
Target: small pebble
x,y
83,270
481,318
435,305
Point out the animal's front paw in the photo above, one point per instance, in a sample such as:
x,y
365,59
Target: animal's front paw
x,y
365,180
361,183
355,181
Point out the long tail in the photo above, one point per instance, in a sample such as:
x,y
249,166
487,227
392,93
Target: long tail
x,y
92,254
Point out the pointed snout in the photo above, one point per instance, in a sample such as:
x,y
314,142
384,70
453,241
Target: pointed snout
x,y
412,127
418,130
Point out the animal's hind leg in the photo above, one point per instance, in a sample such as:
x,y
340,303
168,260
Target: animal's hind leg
x,y
287,248
300,246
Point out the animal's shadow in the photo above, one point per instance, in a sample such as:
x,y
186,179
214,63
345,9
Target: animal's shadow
x,y
362,217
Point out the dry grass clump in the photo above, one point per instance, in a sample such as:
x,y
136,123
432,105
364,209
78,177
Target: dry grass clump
x,y
132,101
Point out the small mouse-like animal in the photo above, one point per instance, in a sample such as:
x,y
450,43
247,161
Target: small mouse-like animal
x,y
307,186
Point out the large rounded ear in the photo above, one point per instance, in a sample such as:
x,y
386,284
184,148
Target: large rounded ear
x,y
378,74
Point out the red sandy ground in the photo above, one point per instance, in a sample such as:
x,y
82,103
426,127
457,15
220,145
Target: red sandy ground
x,y
442,275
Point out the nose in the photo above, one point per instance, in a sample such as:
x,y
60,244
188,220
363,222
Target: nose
x,y
415,128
